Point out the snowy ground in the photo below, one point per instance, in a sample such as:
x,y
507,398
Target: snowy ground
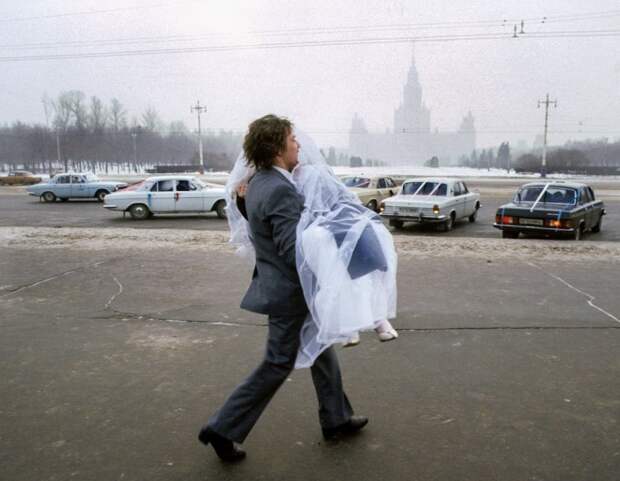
x,y
93,239
401,172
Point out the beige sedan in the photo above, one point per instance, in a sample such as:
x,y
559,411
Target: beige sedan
x,y
371,190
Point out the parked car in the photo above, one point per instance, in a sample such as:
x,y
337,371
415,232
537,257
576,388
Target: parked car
x,y
431,200
551,208
371,190
74,186
21,173
168,194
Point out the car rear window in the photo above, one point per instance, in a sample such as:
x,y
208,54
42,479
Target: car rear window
x,y
553,195
356,182
426,188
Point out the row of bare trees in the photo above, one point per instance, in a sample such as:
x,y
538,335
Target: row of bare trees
x,y
87,134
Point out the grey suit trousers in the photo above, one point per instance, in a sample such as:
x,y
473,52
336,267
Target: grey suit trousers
x,y
247,402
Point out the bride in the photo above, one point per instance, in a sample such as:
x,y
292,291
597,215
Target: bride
x,y
345,255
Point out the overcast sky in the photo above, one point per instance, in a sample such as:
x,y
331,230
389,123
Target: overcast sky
x,y
320,87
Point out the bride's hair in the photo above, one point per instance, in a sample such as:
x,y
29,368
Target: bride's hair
x,y
266,138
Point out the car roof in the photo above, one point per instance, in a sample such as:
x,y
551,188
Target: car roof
x,y
441,180
74,173
555,183
157,178
363,176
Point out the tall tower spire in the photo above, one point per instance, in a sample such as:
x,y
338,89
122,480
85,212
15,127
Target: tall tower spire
x,y
412,115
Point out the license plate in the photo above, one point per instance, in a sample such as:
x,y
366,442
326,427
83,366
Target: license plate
x,y
530,221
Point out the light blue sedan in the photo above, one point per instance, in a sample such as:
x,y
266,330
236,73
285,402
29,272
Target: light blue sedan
x,y
74,186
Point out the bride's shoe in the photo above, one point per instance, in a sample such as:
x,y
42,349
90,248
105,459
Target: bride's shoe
x,y
386,332
354,340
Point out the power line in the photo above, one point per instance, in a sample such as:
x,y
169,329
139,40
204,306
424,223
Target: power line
x,y
503,23
304,43
87,12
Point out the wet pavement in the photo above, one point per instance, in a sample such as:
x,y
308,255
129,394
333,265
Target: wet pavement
x,y
505,369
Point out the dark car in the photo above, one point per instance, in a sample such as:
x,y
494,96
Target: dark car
x,y
552,209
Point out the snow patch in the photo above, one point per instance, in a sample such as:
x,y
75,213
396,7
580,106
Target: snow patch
x,y
407,246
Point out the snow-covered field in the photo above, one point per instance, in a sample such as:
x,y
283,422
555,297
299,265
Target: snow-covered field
x,y
485,250
453,172
396,171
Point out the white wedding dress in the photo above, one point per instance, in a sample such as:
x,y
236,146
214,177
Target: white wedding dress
x,y
345,256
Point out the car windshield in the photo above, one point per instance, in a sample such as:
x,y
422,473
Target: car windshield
x,y
356,181
425,188
146,185
91,178
553,195
199,183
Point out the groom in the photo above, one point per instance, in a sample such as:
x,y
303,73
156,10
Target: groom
x,y
273,208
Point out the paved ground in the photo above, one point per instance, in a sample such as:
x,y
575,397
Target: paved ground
x,y
113,354
19,209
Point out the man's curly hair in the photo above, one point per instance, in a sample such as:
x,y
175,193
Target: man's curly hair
x,y
266,138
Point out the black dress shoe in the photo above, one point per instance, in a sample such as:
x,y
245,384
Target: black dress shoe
x,y
352,426
224,448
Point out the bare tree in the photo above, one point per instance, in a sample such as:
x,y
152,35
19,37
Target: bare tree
x,y
62,112
118,115
78,109
98,115
178,128
150,119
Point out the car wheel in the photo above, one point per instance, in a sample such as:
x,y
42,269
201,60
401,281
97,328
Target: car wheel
x,y
220,209
100,195
48,197
139,212
372,205
397,224
449,224
472,218
597,227
578,232
508,234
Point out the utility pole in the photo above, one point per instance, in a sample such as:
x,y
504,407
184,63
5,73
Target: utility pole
x,y
546,103
199,110
135,150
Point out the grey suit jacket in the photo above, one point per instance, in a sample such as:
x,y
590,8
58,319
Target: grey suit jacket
x,y
273,208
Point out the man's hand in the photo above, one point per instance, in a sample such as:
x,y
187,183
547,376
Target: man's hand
x,y
242,189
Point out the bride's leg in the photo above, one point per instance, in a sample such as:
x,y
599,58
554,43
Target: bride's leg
x,y
386,331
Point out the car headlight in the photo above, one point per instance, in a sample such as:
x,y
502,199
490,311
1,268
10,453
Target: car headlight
x,y
436,209
381,207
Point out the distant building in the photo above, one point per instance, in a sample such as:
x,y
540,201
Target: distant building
x,y
411,141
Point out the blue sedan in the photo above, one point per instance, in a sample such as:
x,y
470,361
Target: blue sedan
x,y
74,186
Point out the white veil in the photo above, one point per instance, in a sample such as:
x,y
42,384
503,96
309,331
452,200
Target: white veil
x,y
345,256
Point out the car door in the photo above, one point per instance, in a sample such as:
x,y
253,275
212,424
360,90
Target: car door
x,y
79,188
457,200
469,200
62,187
597,207
187,197
381,189
588,205
161,196
392,187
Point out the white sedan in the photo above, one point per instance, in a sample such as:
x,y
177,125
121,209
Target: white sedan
x,y
440,201
169,194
